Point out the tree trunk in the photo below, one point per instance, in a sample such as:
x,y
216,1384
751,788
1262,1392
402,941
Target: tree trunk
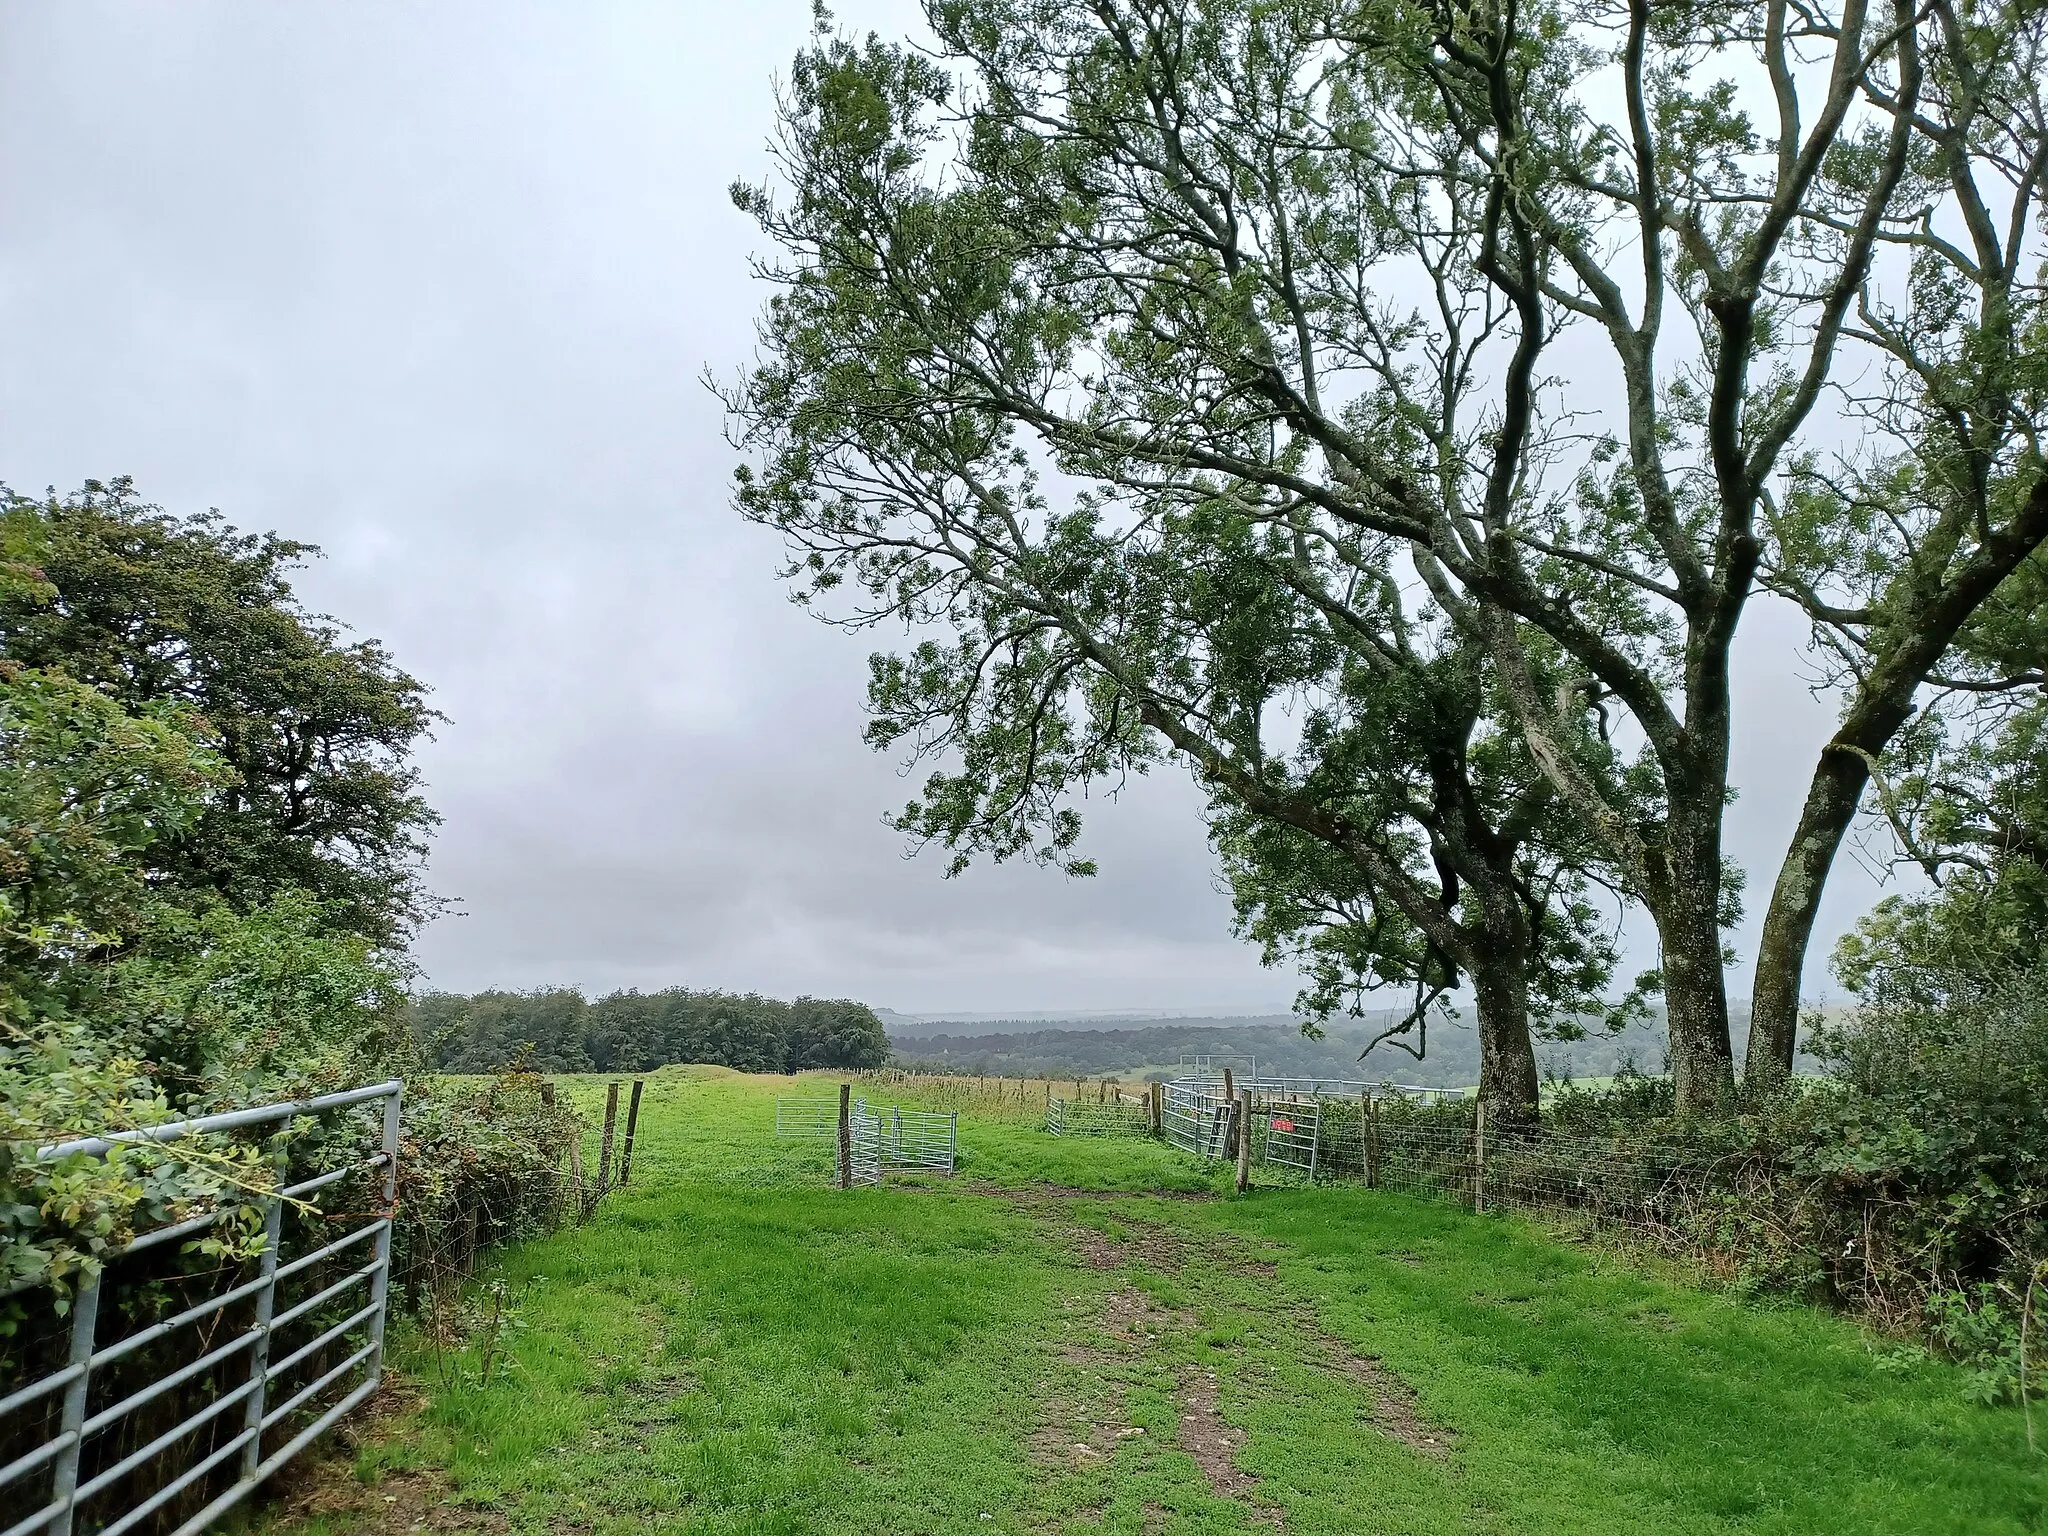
x,y
1499,970
1507,1059
1686,905
1831,802
1696,1007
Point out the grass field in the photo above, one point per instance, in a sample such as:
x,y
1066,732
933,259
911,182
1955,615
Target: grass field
x,y
1091,1336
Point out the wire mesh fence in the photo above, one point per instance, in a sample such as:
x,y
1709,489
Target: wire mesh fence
x,y
1021,1100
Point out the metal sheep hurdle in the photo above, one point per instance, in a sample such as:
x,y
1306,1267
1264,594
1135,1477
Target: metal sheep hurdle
x,y
1195,1115
807,1118
1113,1117
878,1138
60,1456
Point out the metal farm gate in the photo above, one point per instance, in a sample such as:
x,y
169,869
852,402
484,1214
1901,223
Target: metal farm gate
x,y
927,1139
888,1136
1112,1117
1194,1115
807,1118
863,1143
1290,1125
87,1472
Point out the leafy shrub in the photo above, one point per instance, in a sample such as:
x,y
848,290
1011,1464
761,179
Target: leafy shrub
x,y
1910,1183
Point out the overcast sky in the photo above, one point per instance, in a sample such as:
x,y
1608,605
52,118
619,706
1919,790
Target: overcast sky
x,y
432,285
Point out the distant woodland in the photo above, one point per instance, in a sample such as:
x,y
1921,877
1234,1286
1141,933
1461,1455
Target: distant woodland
x,y
1009,1048
639,1031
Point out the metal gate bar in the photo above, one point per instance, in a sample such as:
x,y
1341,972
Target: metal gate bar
x,y
62,1452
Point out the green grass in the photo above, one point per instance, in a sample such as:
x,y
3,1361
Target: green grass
x,y
730,1346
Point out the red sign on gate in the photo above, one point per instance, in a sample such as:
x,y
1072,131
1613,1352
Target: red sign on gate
x,y
1282,1123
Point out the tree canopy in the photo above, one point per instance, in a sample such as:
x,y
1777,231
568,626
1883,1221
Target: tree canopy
x,y
314,732
555,1030
1391,408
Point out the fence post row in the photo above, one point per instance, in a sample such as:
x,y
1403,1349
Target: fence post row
x,y
63,1453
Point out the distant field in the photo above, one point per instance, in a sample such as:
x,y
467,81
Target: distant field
x,y
1092,1337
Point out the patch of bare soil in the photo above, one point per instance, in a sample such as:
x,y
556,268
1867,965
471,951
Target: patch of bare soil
x,y
1214,1443
1395,1412
1081,1434
1168,1250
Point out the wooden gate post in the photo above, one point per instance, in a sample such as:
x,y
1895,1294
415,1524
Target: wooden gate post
x,y
1369,1130
632,1125
604,1154
1158,1098
845,1136
1230,1125
1243,1117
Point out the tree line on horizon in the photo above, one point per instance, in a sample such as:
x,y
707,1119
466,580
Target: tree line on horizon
x,y
556,1029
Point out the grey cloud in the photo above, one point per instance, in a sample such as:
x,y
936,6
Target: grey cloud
x,y
432,286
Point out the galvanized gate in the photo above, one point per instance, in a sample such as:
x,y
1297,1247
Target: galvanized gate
x,y
863,1143
919,1138
1194,1115
807,1118
1109,1117
64,1465
1292,1125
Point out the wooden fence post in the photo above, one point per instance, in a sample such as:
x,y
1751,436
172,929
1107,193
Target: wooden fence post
x,y
1243,1132
547,1094
604,1155
1479,1156
632,1125
1369,1131
1230,1129
1158,1098
845,1136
